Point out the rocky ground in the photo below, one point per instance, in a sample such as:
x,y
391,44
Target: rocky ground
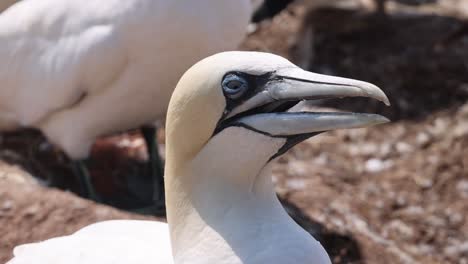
x,y
396,193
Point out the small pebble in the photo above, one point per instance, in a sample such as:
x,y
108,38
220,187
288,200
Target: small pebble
x,y
377,165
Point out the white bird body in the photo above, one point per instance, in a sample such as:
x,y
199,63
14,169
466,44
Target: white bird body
x,y
81,69
220,199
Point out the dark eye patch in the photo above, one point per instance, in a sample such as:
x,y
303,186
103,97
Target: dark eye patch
x,y
254,84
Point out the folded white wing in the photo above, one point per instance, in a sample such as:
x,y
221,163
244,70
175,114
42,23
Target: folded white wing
x,y
110,242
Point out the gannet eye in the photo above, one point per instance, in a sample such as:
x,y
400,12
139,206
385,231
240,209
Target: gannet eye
x,y
234,85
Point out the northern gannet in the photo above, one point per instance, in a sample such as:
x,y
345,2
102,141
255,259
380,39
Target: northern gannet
x,y
227,121
77,70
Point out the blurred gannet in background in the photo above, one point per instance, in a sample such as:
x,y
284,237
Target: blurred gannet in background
x,y
227,120
77,70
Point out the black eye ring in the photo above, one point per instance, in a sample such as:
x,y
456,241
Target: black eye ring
x,y
234,85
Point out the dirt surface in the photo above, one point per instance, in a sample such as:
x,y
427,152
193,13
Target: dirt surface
x,y
396,193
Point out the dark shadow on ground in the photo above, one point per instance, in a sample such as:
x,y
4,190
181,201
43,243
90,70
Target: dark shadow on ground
x,y
420,61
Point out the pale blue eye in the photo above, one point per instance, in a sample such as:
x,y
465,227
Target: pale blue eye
x,y
234,85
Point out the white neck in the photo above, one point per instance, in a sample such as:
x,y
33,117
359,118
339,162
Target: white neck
x,y
222,207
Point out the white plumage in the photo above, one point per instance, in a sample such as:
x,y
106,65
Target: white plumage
x,y
109,242
77,69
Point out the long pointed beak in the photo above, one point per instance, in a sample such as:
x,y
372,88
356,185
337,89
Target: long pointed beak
x,y
295,84
265,112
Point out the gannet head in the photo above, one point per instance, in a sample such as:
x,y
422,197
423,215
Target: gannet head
x,y
227,119
253,91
